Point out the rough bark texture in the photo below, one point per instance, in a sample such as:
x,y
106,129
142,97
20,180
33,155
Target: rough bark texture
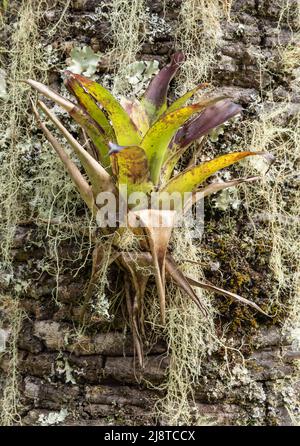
x,y
90,379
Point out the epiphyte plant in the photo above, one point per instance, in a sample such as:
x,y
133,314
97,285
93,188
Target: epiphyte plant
x,y
137,144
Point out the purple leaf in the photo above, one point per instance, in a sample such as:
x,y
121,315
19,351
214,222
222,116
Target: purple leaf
x,y
155,96
210,118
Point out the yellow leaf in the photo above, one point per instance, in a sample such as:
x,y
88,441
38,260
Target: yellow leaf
x,y
183,99
93,129
98,176
125,130
130,166
89,104
137,113
191,178
156,141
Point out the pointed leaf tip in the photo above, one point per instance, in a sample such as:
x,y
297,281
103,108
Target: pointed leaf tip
x,y
155,97
157,139
114,148
86,89
210,118
191,178
178,58
76,88
181,101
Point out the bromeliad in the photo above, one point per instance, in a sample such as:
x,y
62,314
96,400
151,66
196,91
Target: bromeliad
x,y
137,144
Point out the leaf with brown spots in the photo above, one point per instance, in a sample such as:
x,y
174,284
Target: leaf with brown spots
x,y
88,103
79,114
130,166
191,178
137,113
125,130
157,139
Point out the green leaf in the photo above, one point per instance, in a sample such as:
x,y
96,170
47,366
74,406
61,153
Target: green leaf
x,y
101,181
96,134
157,139
191,178
194,129
90,105
130,166
94,130
125,130
169,164
180,102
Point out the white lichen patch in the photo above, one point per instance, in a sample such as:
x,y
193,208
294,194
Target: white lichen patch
x,y
52,418
156,26
3,90
215,133
133,80
64,368
139,74
259,164
295,335
83,61
101,307
4,335
226,199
